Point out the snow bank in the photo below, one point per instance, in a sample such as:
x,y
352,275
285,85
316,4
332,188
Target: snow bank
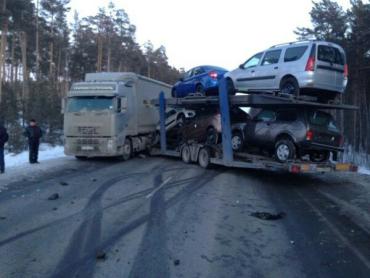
x,y
363,170
46,152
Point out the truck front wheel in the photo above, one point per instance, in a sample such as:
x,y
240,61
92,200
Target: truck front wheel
x,y
204,157
185,154
81,157
127,149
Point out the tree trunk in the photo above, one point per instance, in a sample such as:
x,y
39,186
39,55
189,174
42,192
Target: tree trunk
x,y
23,40
109,54
100,53
16,72
12,60
58,67
51,65
4,32
37,42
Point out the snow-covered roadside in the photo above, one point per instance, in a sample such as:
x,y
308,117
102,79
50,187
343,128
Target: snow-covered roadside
x,y
17,167
363,170
46,152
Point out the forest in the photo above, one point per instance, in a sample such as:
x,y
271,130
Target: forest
x,y
41,54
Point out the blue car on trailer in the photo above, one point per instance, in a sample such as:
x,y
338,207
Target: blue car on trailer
x,y
201,80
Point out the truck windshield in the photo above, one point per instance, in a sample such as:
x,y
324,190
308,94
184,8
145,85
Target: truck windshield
x,y
80,104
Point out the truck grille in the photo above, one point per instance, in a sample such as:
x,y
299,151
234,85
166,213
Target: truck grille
x,y
87,141
87,130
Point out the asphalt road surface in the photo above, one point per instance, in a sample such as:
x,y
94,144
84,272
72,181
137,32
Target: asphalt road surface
x,y
158,217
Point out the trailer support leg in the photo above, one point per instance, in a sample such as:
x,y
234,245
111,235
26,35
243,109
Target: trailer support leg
x,y
225,123
162,117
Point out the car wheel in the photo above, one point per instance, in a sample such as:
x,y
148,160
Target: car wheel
x,y
320,156
284,150
289,86
237,141
127,149
185,154
199,90
230,87
212,136
204,157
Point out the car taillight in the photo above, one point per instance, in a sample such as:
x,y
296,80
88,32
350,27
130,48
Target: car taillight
x,y
310,66
353,168
309,135
295,169
345,71
213,75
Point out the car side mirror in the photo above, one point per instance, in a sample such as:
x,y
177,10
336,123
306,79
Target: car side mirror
x,y
181,79
241,66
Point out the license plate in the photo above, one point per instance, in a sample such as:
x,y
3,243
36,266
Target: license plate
x,y
343,167
87,148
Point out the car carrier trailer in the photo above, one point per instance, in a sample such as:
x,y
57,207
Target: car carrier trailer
x,y
223,154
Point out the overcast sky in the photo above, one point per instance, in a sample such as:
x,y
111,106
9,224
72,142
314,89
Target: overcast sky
x,y
214,32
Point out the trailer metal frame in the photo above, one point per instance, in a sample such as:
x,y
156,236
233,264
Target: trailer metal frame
x,y
225,155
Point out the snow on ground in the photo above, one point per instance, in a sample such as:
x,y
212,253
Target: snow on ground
x,y
46,152
363,170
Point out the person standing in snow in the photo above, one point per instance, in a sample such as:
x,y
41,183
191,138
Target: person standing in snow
x,y
3,139
33,133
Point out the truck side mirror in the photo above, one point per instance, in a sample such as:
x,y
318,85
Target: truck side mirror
x,y
123,107
63,107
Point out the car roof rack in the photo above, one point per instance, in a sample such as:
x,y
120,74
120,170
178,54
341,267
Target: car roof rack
x,y
291,43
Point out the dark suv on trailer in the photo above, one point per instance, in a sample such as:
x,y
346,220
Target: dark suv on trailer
x,y
290,133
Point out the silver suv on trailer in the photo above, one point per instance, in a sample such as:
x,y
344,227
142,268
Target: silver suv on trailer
x,y
315,68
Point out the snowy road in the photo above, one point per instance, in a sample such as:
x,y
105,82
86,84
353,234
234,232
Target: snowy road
x,y
158,217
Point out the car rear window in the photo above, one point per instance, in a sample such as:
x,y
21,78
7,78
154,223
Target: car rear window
x,y
294,53
330,54
322,119
215,68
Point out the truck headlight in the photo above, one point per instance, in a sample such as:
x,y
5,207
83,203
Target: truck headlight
x,y
110,145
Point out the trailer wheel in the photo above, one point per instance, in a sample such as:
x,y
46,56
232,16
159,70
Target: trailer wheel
x,y
284,150
320,156
185,154
204,157
127,149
